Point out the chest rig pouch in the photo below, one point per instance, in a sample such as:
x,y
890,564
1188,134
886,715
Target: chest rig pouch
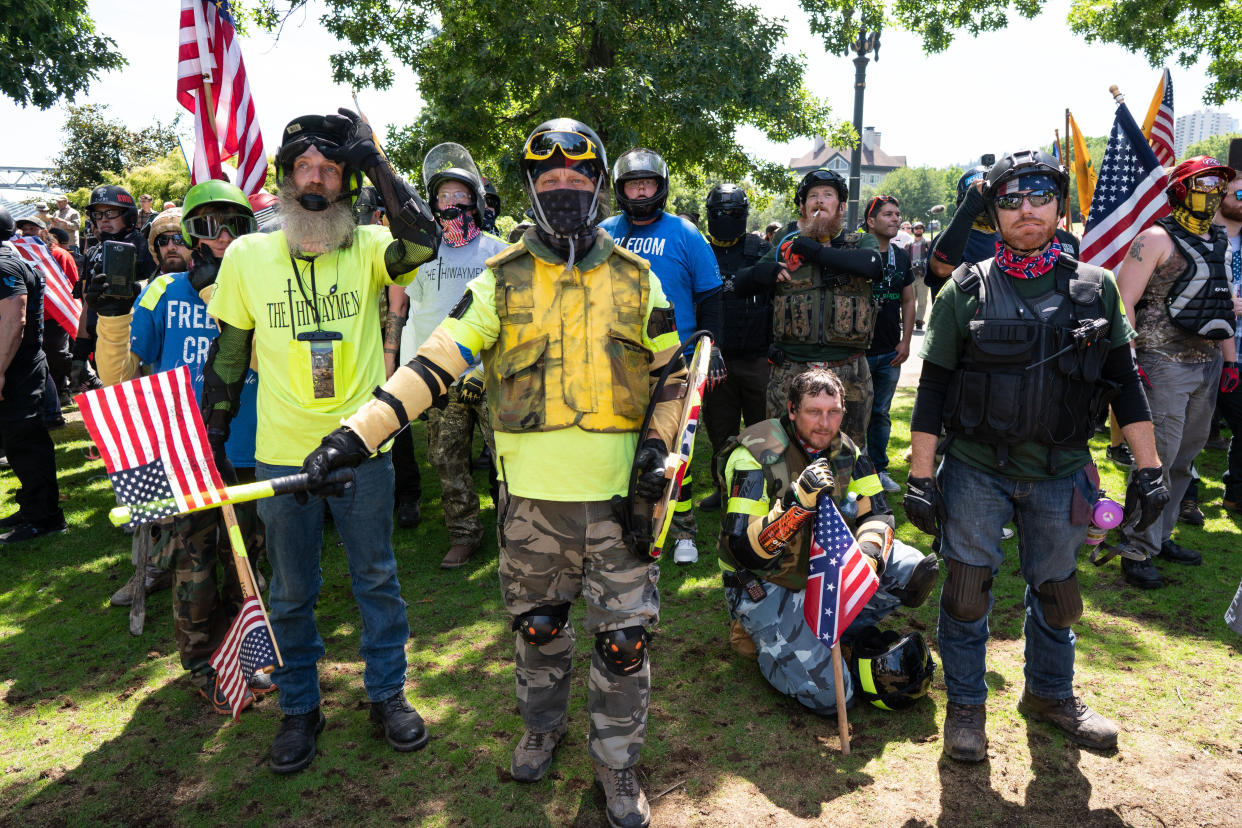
x,y
1199,301
819,306
1031,369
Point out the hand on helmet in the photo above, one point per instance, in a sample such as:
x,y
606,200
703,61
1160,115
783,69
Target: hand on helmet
x,y
359,150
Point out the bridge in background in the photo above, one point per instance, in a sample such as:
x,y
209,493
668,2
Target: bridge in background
x,y
25,178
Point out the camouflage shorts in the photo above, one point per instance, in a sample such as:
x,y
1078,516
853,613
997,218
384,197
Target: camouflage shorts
x,y
552,553
859,396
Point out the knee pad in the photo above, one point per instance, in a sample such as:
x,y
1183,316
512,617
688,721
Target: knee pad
x,y
542,624
921,582
966,591
1061,601
623,651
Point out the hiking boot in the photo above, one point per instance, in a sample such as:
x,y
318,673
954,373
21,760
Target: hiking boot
x,y
156,580
293,749
1142,574
626,803
888,483
457,555
1073,718
1175,552
685,552
403,727
1231,502
533,754
261,684
711,503
964,737
1190,513
409,512
1121,456
30,531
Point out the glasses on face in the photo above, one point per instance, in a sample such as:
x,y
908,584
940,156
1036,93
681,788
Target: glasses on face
x,y
455,197
1207,184
1013,201
165,239
103,215
573,145
1237,195
209,227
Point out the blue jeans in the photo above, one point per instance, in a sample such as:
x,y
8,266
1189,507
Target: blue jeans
x,y
978,505
363,517
884,376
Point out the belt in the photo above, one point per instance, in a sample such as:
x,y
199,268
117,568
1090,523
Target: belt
x,y
751,585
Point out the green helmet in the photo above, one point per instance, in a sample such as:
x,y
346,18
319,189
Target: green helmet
x,y
220,193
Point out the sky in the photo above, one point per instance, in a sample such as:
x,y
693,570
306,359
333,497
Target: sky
x,y
1005,90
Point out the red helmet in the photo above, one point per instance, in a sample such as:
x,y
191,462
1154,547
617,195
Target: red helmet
x,y
1192,168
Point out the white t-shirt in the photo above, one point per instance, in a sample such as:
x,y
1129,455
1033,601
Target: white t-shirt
x,y
439,285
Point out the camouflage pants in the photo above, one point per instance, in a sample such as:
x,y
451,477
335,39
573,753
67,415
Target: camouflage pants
x,y
553,552
450,435
203,605
854,375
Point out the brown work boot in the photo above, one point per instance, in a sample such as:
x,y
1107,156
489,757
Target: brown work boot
x,y
156,580
1073,718
627,804
964,737
533,754
457,555
740,640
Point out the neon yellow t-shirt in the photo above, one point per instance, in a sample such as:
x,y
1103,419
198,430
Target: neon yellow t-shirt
x,y
309,381
568,464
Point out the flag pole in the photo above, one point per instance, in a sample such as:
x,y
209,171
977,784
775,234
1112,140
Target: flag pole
x,y
838,680
245,575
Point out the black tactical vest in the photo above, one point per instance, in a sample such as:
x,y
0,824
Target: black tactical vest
x,y
1031,370
1199,301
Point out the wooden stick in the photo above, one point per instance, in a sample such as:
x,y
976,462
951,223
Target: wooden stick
x,y
1116,92
244,574
838,680
138,586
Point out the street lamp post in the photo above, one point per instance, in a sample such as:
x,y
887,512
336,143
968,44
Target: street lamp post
x,y
862,45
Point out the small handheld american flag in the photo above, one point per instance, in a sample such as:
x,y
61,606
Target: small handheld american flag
x,y
245,650
839,581
58,301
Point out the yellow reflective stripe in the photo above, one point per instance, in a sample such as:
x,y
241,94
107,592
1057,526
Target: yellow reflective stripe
x,y
867,681
745,506
155,292
668,340
869,485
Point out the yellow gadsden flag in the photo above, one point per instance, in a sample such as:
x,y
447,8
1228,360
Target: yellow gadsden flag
x,y
1084,173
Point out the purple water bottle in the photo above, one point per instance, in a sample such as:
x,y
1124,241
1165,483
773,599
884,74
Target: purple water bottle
x,y
1107,515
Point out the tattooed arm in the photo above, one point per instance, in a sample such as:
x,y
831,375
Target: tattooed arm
x,y
1148,251
394,323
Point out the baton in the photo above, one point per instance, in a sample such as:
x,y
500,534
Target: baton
x,y
237,494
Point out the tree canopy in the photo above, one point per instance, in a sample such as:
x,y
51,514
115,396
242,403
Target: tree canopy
x,y
95,145
1217,146
52,52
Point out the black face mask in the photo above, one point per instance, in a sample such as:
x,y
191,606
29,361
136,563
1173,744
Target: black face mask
x,y
567,211
726,228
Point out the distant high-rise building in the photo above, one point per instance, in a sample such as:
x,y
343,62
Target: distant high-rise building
x,y
1200,125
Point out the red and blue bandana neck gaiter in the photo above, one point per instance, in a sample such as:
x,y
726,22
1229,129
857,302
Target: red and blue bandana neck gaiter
x,y
1027,267
460,231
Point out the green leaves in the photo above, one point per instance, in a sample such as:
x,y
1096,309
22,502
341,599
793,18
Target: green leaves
x,y
95,146
51,52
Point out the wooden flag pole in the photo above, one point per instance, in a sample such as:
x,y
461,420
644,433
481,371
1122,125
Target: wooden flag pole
x,y
245,575
838,680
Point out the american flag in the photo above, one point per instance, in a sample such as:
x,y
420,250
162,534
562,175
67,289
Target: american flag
x,y
245,650
211,83
680,461
1129,194
1158,125
840,581
58,301
154,446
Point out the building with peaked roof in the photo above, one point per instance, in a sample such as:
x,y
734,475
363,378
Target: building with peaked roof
x,y
876,163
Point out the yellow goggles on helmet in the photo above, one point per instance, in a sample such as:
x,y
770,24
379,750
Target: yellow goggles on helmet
x,y
573,145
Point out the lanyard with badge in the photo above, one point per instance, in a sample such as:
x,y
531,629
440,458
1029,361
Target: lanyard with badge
x,y
319,341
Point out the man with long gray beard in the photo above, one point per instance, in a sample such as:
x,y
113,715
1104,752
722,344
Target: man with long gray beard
x,y
302,300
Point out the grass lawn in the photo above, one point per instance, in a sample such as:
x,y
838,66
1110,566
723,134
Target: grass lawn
x,y
102,728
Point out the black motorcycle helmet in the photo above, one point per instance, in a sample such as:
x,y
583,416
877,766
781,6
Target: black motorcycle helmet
x,y
1017,164
322,133
969,177
634,164
727,211
491,206
7,225
817,177
891,670
110,195
463,177
563,142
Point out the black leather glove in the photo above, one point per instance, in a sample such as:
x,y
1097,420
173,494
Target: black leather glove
x,y
923,505
1147,495
814,481
216,438
806,247
359,150
716,370
107,305
340,449
471,392
204,267
652,455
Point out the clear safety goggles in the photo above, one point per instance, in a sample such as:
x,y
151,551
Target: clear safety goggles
x,y
210,226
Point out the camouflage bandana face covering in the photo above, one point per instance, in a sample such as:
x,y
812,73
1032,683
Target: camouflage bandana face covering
x,y
1027,267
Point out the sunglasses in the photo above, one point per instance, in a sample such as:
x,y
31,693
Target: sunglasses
x,y
165,239
102,215
1013,201
573,145
209,227
878,203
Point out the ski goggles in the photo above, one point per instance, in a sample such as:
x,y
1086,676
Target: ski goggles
x,y
1211,183
573,145
1036,198
165,239
210,226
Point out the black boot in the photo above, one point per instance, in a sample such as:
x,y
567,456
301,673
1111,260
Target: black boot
x,y
1141,574
403,727
294,745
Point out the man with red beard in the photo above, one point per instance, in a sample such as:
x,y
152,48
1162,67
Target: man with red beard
x,y
302,300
